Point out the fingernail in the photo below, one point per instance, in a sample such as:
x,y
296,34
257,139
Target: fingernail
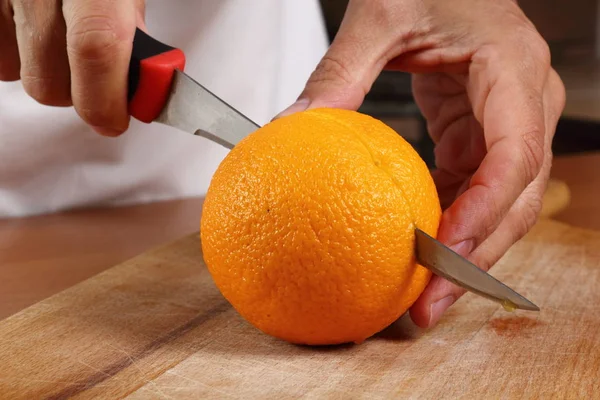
x,y
106,131
299,105
437,309
463,248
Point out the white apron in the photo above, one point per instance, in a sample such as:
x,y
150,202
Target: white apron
x,y
256,55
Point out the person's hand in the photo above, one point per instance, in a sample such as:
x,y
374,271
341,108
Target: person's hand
x,y
72,52
483,81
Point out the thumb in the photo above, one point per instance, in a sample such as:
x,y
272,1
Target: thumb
x,y
354,60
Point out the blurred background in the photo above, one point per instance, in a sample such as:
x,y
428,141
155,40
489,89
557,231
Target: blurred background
x,y
571,28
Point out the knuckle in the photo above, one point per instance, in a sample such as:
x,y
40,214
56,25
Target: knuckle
x,y
532,153
95,116
530,215
527,217
94,38
494,211
534,48
331,70
382,12
375,12
38,90
532,51
490,222
46,91
395,18
557,88
483,204
102,115
540,49
486,258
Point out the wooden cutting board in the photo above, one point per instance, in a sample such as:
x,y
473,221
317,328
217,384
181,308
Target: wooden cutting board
x,y
156,327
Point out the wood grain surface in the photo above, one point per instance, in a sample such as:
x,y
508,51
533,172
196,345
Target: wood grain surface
x,y
156,327
42,255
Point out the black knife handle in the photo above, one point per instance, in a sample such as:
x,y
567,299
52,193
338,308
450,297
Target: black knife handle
x,y
151,70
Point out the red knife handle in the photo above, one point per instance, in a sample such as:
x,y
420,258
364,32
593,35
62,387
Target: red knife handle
x,y
151,72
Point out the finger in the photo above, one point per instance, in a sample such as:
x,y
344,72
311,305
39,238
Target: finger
x,y
461,147
9,61
519,220
507,100
449,185
441,294
40,31
554,99
99,42
460,144
367,38
442,99
525,212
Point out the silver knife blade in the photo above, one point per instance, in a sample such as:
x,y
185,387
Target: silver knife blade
x,y
451,266
194,109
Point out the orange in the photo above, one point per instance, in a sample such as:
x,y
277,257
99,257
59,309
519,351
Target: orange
x,y
308,226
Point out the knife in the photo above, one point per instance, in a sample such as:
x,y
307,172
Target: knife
x,y
159,91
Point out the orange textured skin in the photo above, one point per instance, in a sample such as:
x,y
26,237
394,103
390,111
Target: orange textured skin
x,y
308,226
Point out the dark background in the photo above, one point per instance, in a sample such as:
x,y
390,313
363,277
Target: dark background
x,y
569,27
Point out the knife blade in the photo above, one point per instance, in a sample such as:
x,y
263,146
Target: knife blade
x,y
215,120
444,262
159,91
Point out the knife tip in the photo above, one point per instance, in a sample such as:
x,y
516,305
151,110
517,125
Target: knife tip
x,y
534,307
524,304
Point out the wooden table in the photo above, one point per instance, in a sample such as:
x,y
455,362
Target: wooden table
x,y
43,255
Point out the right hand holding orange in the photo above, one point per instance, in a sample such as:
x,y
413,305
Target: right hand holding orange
x,y
483,80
